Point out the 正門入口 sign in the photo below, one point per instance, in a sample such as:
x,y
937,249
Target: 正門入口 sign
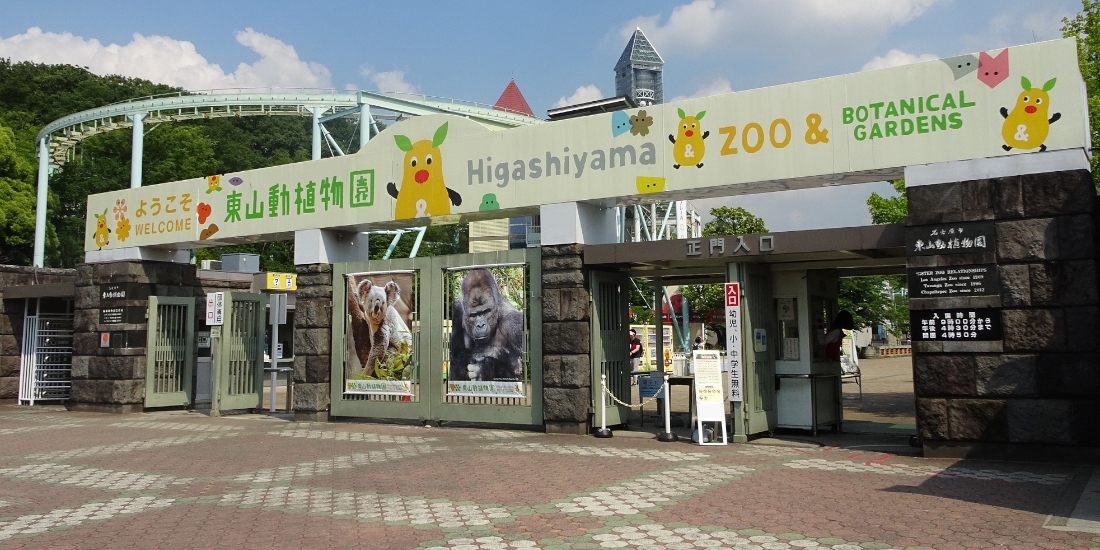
x,y
844,129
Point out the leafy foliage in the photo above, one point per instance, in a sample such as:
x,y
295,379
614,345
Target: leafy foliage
x,y
17,204
889,209
733,221
1085,26
876,301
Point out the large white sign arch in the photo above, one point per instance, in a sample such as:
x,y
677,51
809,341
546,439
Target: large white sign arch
x,y
844,129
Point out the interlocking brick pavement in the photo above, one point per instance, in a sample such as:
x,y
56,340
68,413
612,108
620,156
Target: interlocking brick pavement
x,y
184,480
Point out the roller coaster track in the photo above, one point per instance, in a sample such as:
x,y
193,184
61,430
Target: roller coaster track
x,y
65,133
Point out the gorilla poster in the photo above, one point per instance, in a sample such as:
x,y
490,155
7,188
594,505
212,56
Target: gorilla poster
x,y
487,331
381,356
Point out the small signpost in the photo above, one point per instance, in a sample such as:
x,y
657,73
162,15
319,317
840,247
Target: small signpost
x,y
709,404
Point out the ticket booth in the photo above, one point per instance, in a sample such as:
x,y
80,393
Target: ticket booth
x,y
808,390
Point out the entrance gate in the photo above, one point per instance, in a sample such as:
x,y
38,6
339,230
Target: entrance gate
x,y
425,393
239,355
610,352
168,368
45,369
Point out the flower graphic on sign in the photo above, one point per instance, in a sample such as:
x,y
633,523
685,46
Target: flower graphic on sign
x,y
640,123
122,228
120,209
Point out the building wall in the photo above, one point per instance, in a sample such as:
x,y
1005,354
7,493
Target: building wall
x,y
11,320
1040,384
566,340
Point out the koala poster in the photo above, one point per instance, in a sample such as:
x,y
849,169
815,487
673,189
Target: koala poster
x,y
379,335
487,331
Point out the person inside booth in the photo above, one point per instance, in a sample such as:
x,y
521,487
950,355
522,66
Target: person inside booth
x,y
834,338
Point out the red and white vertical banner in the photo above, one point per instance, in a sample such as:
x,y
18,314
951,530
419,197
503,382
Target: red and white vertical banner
x,y
733,340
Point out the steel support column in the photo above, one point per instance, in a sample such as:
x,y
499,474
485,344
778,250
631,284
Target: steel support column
x,y
138,148
316,131
40,205
365,122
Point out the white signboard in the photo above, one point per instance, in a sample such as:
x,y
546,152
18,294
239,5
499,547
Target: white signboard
x,y
733,340
379,387
215,308
709,404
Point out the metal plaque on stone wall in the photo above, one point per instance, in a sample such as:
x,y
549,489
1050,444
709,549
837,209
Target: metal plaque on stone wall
x,y
956,325
953,282
124,291
950,238
122,314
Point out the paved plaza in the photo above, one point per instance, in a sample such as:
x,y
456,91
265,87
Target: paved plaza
x,y
185,480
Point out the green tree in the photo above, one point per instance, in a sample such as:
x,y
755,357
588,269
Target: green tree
x,y
876,301
733,221
1085,27
17,205
889,209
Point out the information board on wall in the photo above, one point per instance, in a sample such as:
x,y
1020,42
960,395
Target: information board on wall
x,y
733,340
950,282
964,324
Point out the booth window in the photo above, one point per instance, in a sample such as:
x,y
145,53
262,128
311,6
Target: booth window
x,y
787,313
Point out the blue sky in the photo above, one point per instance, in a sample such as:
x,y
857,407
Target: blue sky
x,y
557,52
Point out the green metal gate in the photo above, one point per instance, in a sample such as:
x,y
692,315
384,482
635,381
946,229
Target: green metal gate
x,y
169,358
610,349
428,397
239,364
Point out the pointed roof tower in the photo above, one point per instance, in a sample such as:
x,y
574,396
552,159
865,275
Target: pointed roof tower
x,y
638,72
512,100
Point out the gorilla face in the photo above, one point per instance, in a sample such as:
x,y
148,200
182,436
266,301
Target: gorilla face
x,y
480,296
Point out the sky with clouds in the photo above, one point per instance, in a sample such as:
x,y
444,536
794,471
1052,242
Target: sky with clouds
x,y
558,52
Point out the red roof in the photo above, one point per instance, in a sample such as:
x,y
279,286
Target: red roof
x,y
512,100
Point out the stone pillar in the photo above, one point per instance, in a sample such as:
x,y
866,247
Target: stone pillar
x,y
1039,386
313,342
566,338
112,379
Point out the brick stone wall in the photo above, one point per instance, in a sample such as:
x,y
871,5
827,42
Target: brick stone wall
x,y
313,342
113,379
11,320
1040,384
566,339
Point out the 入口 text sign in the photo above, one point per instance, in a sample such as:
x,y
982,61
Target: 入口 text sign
x,y
733,339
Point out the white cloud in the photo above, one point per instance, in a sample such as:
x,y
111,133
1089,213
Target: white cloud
x,y
166,60
582,95
896,58
390,81
711,24
717,86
